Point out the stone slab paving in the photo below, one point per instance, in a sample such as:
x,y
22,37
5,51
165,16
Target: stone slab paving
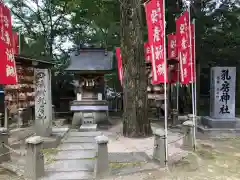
x,y
75,158
84,134
76,154
66,165
77,146
79,140
80,175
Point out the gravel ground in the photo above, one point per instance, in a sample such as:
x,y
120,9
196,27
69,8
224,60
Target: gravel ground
x,y
213,160
6,175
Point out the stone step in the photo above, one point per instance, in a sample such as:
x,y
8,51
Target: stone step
x,y
71,165
79,140
75,175
84,134
88,127
77,146
76,154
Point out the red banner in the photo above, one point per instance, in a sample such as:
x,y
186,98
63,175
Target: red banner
x,y
172,48
7,66
183,45
156,32
193,53
147,52
174,74
15,43
119,62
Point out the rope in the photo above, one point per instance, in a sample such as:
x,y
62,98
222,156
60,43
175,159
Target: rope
x,y
178,139
5,154
13,150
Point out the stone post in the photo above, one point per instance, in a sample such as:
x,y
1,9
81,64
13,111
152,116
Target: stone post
x,y
53,113
2,119
43,102
6,115
102,164
188,140
34,165
159,146
4,151
175,117
197,118
20,117
181,119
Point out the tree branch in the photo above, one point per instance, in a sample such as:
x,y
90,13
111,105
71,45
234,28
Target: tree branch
x,y
28,27
61,16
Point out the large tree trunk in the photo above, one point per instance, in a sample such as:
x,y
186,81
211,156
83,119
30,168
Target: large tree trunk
x,y
135,116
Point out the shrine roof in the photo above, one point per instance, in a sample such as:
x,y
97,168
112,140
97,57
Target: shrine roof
x,y
31,62
91,59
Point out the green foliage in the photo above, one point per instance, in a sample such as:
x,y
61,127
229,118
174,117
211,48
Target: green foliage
x,y
47,24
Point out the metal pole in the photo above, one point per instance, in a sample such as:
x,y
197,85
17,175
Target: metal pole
x,y
5,115
165,90
195,68
19,42
192,83
178,78
178,81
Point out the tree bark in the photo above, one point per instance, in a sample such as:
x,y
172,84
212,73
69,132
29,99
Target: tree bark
x,y
135,115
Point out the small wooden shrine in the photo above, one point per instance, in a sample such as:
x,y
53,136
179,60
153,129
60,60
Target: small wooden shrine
x,y
89,66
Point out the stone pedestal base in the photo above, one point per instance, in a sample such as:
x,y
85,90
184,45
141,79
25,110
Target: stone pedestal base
x,y
89,112
219,123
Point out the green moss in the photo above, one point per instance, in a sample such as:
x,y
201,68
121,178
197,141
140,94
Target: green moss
x,y
49,155
119,165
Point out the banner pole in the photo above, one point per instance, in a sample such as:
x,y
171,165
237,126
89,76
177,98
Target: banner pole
x,y
192,83
165,90
19,42
5,113
178,83
195,67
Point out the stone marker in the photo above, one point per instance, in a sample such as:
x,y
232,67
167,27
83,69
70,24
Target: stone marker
x,y
222,98
4,151
43,102
159,146
102,164
188,140
34,166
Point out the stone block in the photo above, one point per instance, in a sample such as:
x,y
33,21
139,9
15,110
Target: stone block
x,y
77,146
102,164
88,127
188,140
71,165
159,147
85,134
79,140
76,154
219,123
34,166
4,151
81,175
